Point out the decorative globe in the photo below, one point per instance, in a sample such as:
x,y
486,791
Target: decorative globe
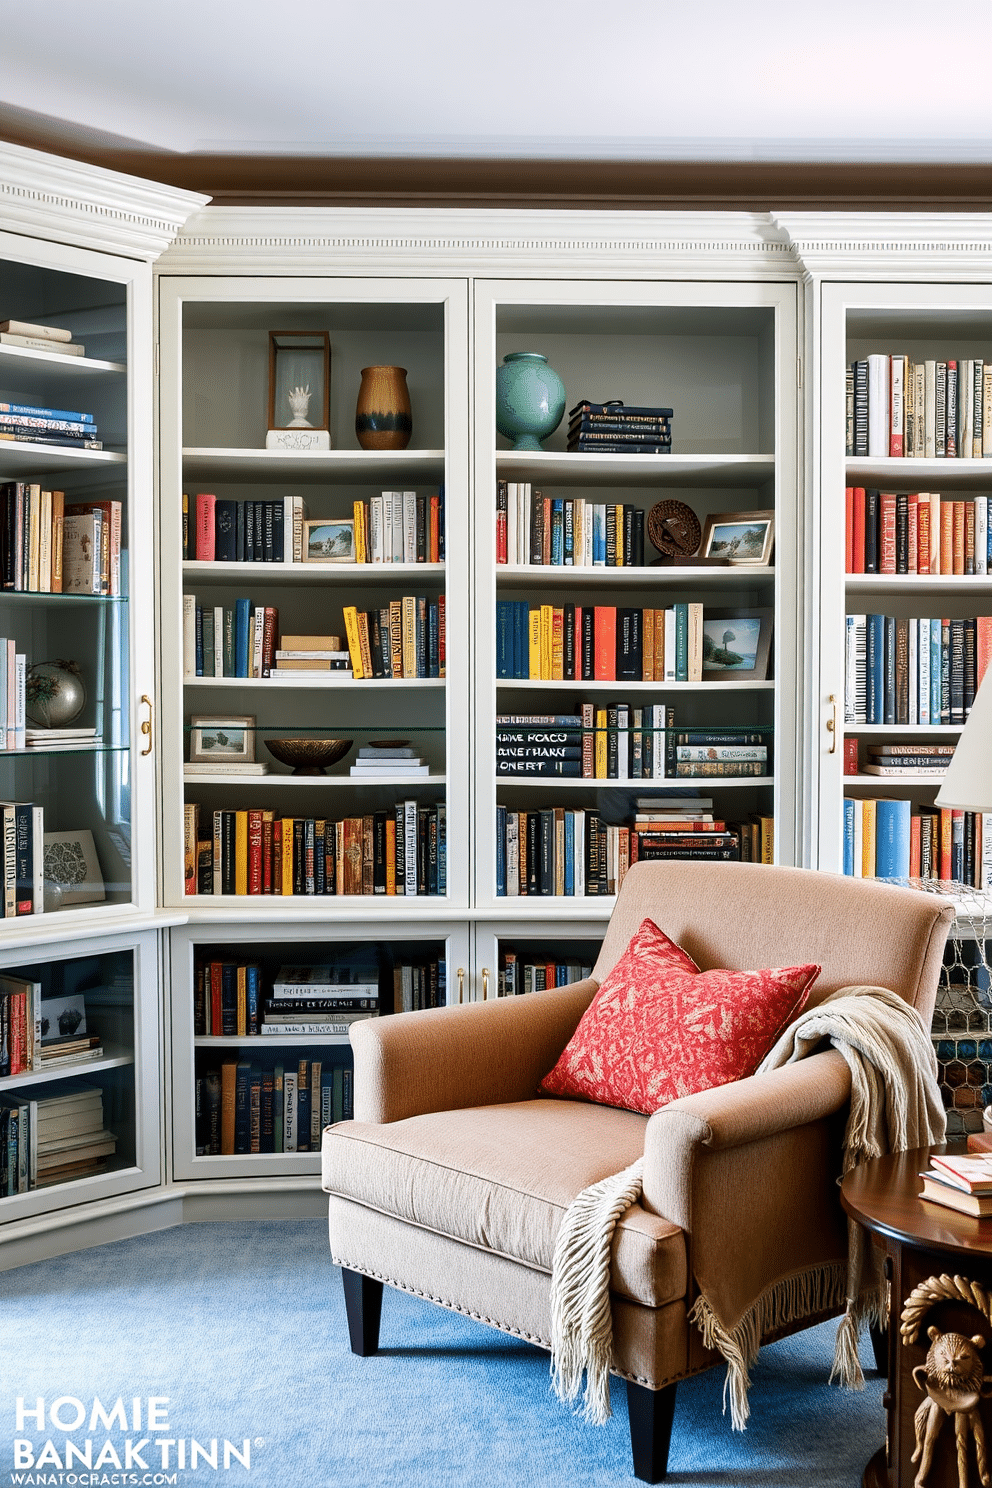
x,y
530,399
55,695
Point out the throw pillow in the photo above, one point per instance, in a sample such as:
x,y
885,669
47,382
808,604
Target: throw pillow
x,y
659,1028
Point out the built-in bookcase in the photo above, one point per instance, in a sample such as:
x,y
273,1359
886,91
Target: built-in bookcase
x,y
717,355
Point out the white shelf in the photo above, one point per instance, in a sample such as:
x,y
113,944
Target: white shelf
x,y
40,371
920,583
664,782
731,577
344,466
257,1041
911,730
17,460
315,681
885,783
319,907
916,475
634,470
528,685
65,1071
308,782
239,574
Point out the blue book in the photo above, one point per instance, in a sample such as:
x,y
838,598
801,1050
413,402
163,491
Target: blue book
x,y
935,671
242,633
199,640
25,410
504,636
558,531
501,852
252,996
242,1107
892,833
521,640
599,535
849,809
875,668
570,852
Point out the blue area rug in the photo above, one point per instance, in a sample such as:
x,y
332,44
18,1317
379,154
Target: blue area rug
x,y
240,1329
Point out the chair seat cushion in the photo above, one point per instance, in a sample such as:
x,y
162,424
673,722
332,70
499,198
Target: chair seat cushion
x,y
659,1028
501,1177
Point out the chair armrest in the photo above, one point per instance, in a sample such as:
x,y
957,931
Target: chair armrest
x,y
749,1172
478,1054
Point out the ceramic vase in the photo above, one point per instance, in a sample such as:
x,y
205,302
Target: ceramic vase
x,y
530,399
382,418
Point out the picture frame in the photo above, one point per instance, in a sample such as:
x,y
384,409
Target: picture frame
x,y
230,738
71,869
329,540
744,634
299,363
739,537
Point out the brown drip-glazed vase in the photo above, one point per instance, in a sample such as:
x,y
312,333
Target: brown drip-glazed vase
x,y
382,418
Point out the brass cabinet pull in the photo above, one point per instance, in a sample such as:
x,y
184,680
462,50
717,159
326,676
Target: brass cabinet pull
x,y
146,727
460,974
832,728
485,984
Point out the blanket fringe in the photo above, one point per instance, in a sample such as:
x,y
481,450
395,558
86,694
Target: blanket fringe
x,y
790,1299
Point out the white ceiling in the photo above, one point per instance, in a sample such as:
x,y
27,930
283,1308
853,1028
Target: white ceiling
x,y
701,79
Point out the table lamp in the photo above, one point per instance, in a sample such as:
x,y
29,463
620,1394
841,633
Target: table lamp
x,y
968,782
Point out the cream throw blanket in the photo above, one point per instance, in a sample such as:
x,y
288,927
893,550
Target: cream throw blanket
x,y
895,1106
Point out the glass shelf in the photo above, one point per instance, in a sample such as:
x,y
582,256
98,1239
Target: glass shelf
x,y
44,596
87,746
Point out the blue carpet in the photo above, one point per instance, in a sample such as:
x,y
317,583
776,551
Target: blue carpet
x,y
241,1328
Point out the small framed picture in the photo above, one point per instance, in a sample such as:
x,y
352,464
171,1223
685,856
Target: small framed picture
x,y
329,541
736,643
72,869
225,740
739,537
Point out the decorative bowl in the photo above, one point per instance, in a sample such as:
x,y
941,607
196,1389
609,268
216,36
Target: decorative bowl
x,y
308,756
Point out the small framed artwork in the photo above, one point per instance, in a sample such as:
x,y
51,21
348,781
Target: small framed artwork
x,y
72,869
226,740
739,537
329,541
736,644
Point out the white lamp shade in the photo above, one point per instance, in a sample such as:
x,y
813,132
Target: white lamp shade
x,y
968,782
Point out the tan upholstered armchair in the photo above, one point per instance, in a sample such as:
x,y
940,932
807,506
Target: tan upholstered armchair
x,y
453,1179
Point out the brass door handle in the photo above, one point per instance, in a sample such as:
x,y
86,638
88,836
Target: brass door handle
x,y
146,727
460,974
832,721
485,984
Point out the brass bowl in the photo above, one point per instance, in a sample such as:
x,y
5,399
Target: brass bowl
x,y
308,756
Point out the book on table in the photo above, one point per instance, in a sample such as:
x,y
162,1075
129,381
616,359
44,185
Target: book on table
x,y
937,1190
971,1172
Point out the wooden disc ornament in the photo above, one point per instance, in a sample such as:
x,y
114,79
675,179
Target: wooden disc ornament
x,y
674,529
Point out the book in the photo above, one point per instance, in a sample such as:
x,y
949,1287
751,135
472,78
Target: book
x,y
937,1191
971,1172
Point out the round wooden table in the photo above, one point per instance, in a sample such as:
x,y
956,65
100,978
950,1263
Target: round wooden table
x,y
921,1241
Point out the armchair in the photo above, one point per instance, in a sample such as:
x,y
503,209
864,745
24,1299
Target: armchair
x,y
452,1181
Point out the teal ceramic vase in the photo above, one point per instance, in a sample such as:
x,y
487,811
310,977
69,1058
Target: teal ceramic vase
x,y
530,399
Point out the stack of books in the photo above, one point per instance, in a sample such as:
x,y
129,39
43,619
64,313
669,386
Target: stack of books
x,y
616,429
33,337
376,761
312,653
670,827
320,1000
960,1182
907,757
52,1140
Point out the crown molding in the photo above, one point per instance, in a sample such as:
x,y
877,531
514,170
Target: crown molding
x,y
44,196
890,245
411,240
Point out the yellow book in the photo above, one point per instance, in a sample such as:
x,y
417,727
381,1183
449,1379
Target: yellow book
x,y
767,824
578,531
363,643
339,857
241,852
287,854
619,519
557,644
534,643
45,544
58,517
546,626
409,630
396,636
191,827
390,855
601,740
361,547
354,645
242,1003
868,838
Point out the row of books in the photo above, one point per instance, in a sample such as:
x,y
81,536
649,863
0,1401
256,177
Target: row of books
x,y
240,999
405,638
49,546
601,643
218,530
22,857
919,410
518,975
558,852
888,838
400,527
899,757
915,532
914,670
618,428
618,741
532,528
399,851
24,423
235,640
246,1106
54,1139
42,1033
42,338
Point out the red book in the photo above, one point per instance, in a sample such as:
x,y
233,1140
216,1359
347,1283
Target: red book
x,y
254,852
849,529
216,1006
913,535
205,530
267,826
983,647
440,635
915,845
270,636
435,534
858,535
957,530
946,831
887,523
850,756
605,643
277,856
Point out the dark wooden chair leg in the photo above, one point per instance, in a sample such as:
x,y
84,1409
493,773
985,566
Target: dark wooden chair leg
x,y
880,1347
363,1304
651,1414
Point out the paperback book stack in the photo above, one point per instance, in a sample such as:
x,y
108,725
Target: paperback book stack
x,y
618,429
52,1140
960,1182
388,761
906,757
320,1000
672,827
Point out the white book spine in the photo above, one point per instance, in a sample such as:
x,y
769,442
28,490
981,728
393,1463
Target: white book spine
x,y
189,635
986,860
987,410
375,530
897,403
258,631
982,529
587,526
410,846
409,526
966,406
218,656
670,644
526,515
913,630
396,525
930,410
512,854
20,698
5,722
878,406
578,532
923,655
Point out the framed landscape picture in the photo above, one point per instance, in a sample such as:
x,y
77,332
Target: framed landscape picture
x,y
736,644
223,740
329,541
739,537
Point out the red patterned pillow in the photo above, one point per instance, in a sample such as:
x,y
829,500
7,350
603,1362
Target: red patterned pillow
x,y
659,1027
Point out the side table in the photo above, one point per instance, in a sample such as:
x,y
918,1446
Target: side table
x,y
922,1241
